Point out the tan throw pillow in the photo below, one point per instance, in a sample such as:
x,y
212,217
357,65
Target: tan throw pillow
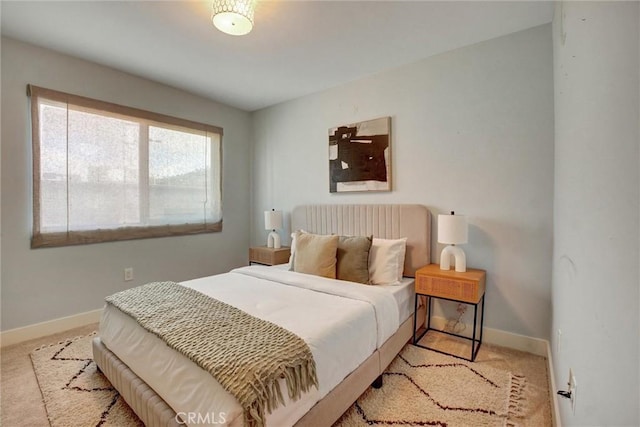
x,y
316,254
353,259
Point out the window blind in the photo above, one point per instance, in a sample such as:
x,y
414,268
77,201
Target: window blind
x,y
105,172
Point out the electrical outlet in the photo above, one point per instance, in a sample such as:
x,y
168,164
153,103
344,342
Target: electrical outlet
x,y
573,389
128,274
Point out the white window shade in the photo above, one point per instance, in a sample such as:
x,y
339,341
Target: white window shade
x,y
106,172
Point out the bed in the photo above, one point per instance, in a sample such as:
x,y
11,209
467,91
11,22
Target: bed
x,y
153,379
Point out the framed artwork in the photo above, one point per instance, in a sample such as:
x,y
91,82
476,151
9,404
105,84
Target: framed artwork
x,y
360,156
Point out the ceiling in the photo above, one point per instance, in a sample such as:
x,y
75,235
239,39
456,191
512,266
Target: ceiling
x,y
295,48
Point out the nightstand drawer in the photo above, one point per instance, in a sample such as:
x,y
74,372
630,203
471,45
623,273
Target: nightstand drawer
x,y
449,288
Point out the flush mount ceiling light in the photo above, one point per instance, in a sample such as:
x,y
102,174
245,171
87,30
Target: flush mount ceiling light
x,y
233,17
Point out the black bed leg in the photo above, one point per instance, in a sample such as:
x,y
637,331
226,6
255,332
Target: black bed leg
x,y
377,383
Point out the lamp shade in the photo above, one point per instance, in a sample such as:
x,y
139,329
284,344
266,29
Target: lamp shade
x,y
272,220
452,229
233,17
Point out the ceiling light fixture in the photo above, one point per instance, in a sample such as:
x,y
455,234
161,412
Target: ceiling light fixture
x,y
233,17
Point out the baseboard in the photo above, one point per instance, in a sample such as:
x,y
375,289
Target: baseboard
x,y
555,407
39,330
536,346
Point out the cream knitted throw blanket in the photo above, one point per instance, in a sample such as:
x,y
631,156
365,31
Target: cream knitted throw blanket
x,y
246,355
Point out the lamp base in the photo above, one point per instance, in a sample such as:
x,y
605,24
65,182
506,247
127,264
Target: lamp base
x,y
273,240
460,259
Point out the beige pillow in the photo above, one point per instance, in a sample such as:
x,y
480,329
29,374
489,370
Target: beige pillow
x,y
316,254
353,258
386,262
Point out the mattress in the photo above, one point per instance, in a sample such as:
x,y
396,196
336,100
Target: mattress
x,y
403,293
341,332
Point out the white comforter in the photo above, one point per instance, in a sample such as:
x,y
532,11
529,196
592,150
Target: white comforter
x,y
342,322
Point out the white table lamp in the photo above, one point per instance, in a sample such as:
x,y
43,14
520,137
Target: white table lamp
x,y
453,230
273,222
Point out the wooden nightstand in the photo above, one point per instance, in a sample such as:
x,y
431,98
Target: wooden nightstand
x,y
269,256
467,287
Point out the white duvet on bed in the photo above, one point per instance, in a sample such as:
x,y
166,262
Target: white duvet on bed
x,y
342,322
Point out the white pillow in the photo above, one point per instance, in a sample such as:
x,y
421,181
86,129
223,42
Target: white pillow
x,y
386,261
293,248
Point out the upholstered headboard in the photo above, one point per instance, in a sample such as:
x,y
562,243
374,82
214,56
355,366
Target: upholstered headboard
x,y
382,221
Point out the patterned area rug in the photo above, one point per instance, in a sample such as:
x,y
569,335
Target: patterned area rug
x,y
425,388
74,392
421,388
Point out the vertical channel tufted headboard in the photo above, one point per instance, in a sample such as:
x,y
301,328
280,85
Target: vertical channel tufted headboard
x,y
382,221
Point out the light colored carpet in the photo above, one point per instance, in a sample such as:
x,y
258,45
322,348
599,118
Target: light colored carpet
x,y
514,388
20,398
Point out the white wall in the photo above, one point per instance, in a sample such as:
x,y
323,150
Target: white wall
x,y
45,284
596,210
472,132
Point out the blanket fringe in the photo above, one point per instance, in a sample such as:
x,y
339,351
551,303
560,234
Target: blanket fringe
x,y
299,379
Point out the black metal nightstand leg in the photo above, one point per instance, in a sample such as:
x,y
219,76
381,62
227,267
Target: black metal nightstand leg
x,y
415,318
481,318
473,337
474,350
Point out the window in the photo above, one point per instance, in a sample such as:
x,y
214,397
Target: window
x,y
104,172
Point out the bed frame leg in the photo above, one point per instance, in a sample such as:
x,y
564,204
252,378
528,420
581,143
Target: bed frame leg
x,y
377,383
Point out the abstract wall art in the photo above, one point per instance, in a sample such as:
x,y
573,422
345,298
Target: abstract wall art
x,y
360,156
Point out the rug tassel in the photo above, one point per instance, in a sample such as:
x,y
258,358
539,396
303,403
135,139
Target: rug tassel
x,y
68,340
517,399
